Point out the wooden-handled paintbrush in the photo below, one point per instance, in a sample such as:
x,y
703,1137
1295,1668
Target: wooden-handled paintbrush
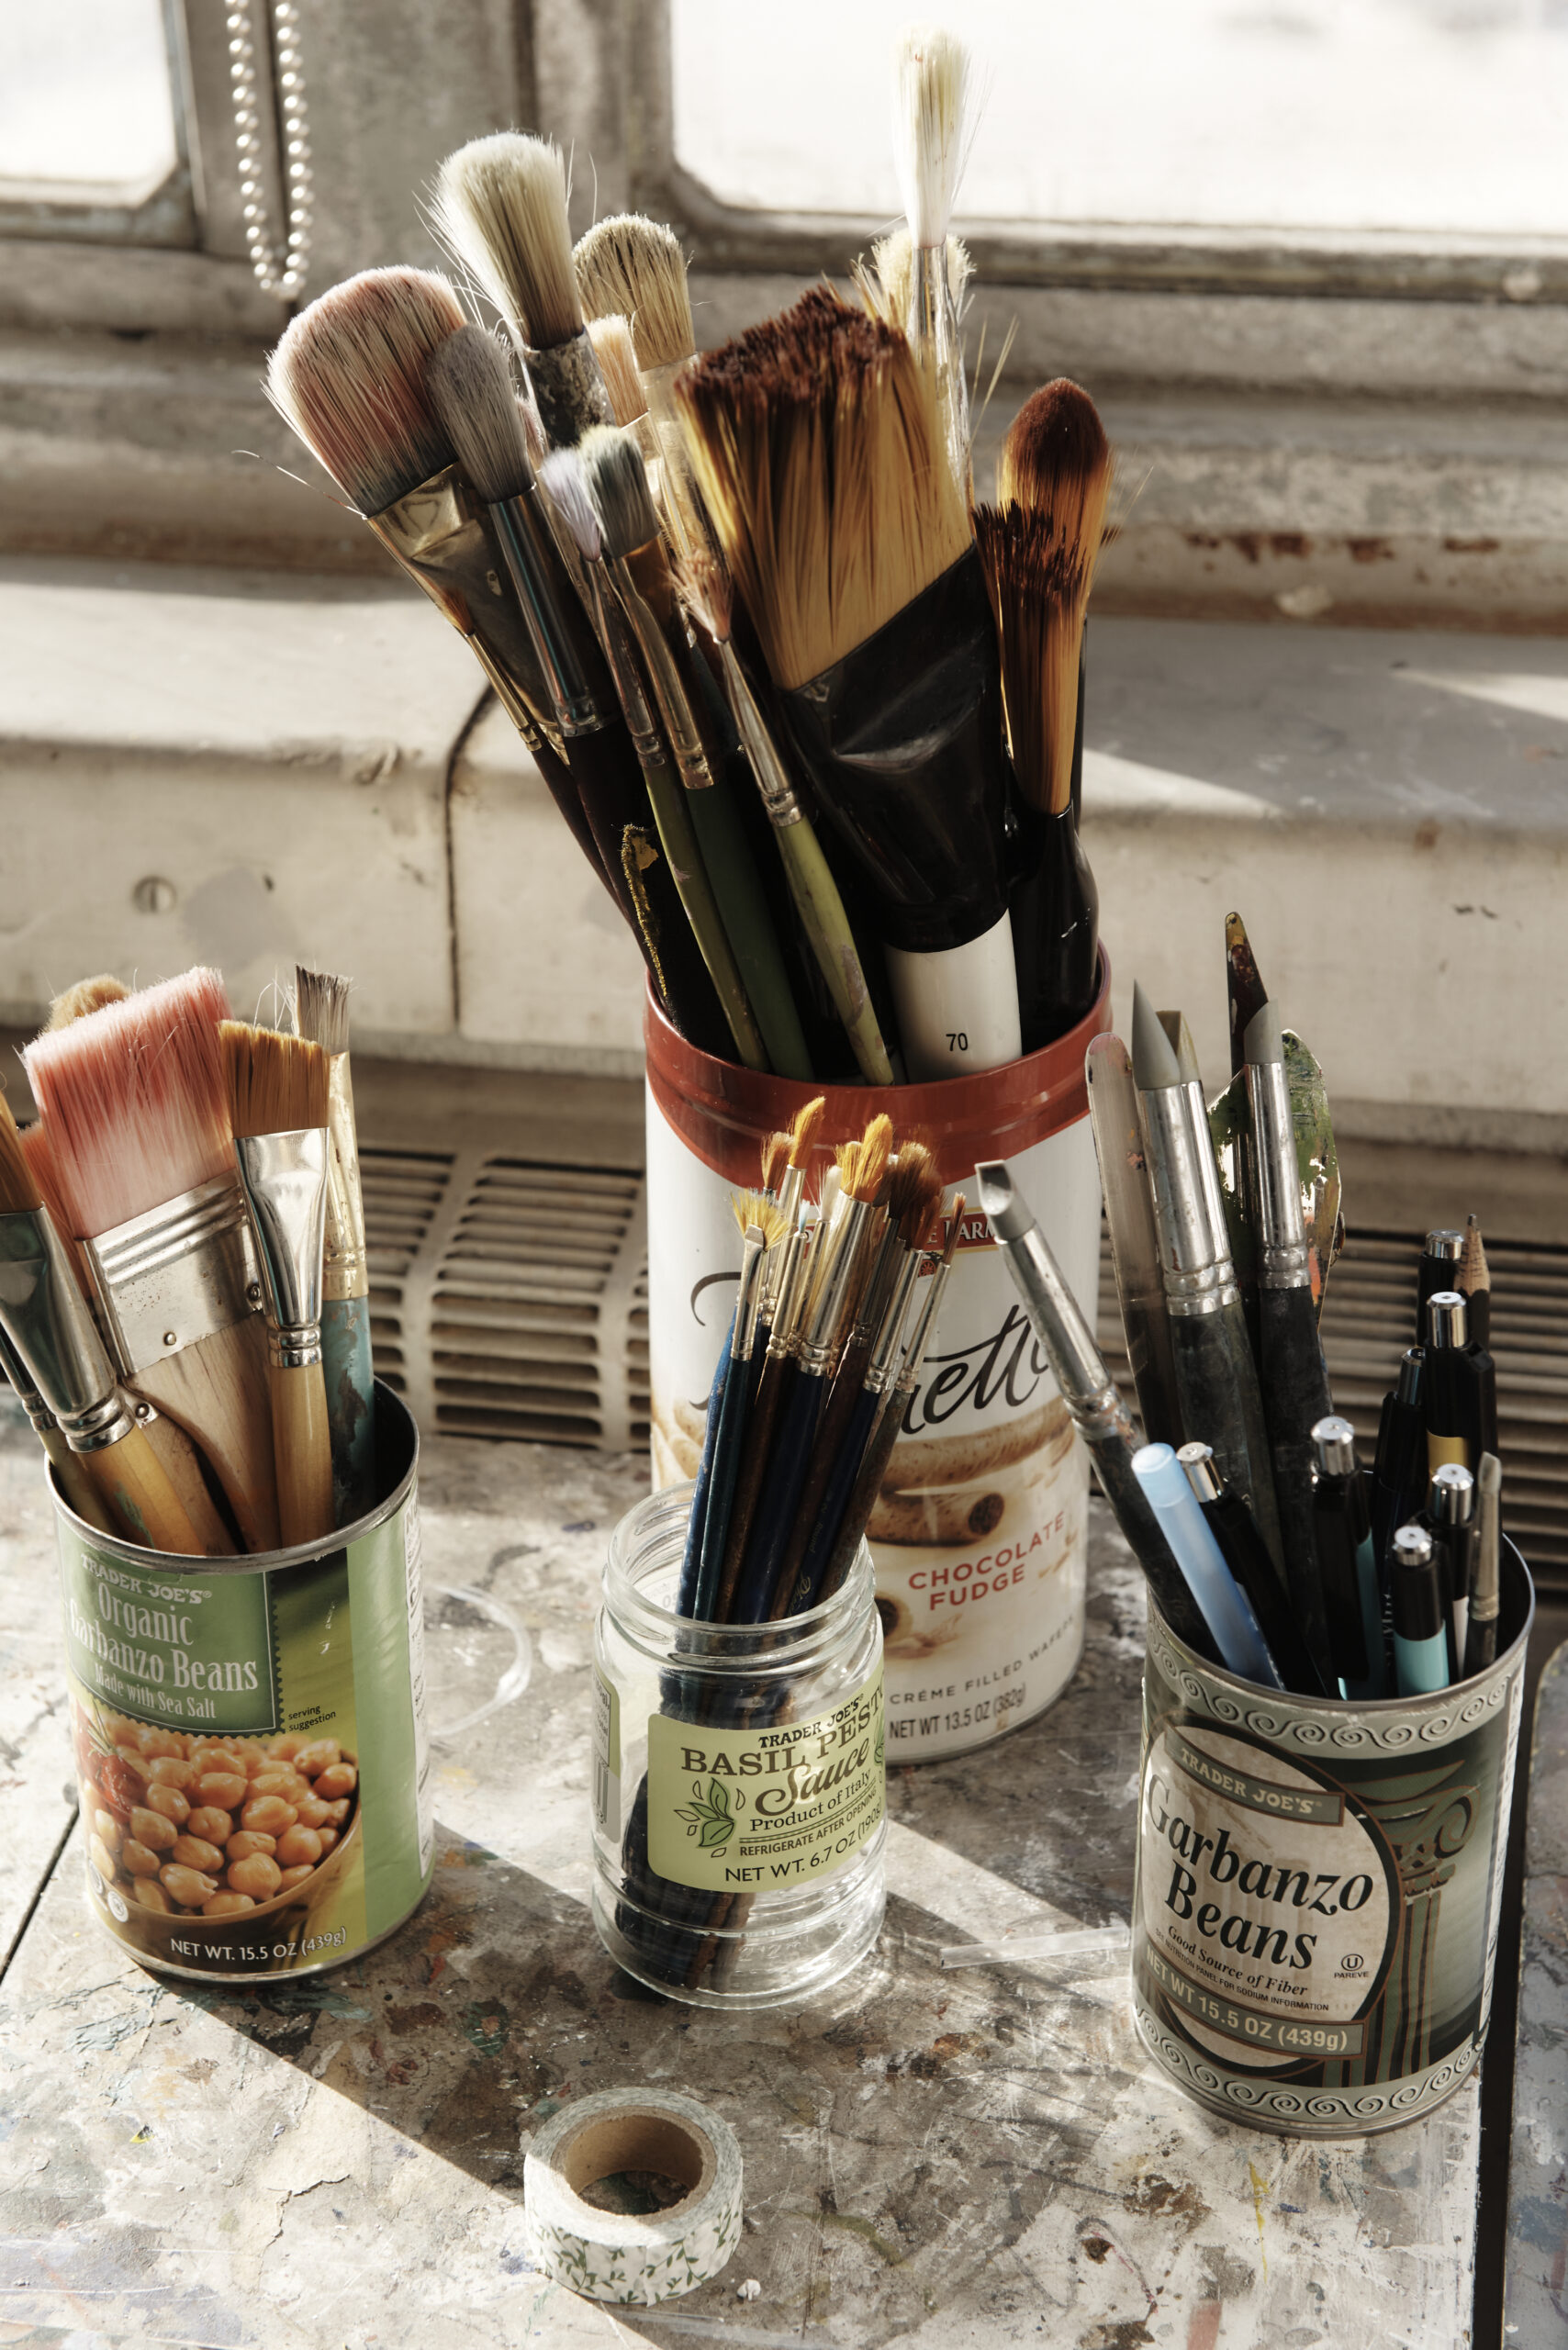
x,y
70,1473
279,1094
135,1117
633,268
321,1015
45,1317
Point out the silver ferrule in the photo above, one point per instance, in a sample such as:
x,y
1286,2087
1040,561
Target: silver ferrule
x,y
1452,1499
169,1279
48,1323
568,390
1413,1547
1198,1460
625,676
1407,1386
778,796
346,1259
1448,1321
285,1177
785,1297
521,529
1194,1255
1334,1446
836,1249
664,674
890,1331
1076,1364
1283,1259
748,1294
920,1338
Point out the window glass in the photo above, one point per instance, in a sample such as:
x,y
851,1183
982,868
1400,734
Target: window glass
x,y
1337,115
87,100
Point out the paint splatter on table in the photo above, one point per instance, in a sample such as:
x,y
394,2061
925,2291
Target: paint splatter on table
x,y
1536,2288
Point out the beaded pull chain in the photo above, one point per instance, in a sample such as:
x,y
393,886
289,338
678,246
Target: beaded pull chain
x,y
276,273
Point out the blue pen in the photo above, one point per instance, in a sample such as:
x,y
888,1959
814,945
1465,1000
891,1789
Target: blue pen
x,y
1221,1601
1420,1635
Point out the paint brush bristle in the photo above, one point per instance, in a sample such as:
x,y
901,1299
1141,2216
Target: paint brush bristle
x,y
817,445
954,1227
804,1128
349,375
19,1194
871,1168
322,1008
1037,599
471,390
276,1084
40,1165
133,1102
616,480
1056,459
562,478
500,206
931,85
775,1159
612,347
753,1213
633,265
87,995
886,288
707,592
911,1172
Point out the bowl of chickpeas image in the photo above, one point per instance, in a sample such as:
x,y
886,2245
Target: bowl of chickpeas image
x,y
234,1837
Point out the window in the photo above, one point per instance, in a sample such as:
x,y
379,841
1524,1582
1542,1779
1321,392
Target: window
x,y
91,128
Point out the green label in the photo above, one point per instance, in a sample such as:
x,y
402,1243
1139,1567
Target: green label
x,y
197,1652
769,1804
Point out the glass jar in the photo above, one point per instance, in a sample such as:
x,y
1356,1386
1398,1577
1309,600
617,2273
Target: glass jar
x,y
738,1780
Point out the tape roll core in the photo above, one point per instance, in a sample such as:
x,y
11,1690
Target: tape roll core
x,y
613,2256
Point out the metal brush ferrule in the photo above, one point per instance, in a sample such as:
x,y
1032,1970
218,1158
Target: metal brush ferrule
x,y
1194,1256
832,1286
889,1330
285,1177
778,795
748,1295
522,533
48,1324
345,1262
669,687
1076,1361
787,1299
167,1279
568,390
1283,1260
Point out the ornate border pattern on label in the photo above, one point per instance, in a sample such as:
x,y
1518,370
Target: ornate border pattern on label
x,y
1311,2112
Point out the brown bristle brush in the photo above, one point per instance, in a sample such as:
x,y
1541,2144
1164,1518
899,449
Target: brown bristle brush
x,y
1037,596
87,995
819,448
617,354
46,1319
500,206
1057,460
134,1115
278,1101
631,267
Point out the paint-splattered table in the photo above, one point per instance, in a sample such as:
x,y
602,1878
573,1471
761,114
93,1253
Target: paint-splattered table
x,y
970,2158
1536,2309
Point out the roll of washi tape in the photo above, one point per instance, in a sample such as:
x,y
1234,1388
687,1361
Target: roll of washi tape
x,y
613,2256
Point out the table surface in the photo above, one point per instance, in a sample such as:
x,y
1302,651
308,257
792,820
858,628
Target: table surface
x,y
970,2157
1535,2286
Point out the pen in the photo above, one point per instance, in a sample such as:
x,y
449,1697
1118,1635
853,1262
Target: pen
x,y
1399,1474
1449,1517
1226,1607
1236,1531
1442,1255
1420,1635
1342,1527
1481,1642
1462,1387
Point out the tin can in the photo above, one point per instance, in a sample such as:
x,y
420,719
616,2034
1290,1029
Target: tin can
x,y
1318,1886
250,1737
977,1533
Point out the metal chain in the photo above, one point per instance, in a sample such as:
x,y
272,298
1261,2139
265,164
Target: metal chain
x,y
276,273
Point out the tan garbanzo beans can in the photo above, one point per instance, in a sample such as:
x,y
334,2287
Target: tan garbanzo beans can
x,y
249,1736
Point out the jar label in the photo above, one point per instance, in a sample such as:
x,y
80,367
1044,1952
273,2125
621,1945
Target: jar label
x,y
768,1805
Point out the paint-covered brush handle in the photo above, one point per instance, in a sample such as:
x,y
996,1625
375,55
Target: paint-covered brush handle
x,y
749,925
1216,1385
136,1491
820,907
1294,1383
349,1370
669,799
302,1453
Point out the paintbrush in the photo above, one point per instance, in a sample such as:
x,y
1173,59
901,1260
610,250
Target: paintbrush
x,y
633,268
617,354
1480,1637
87,995
709,595
817,443
931,82
45,1317
135,1114
1245,992
321,1016
500,205
1037,589
887,285
1134,1242
279,1091
70,1473
1216,1382
617,482
762,1227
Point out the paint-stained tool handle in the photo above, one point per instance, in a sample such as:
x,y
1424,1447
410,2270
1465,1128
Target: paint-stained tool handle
x,y
670,801
1294,1379
302,1453
863,1495
139,1498
749,925
1216,1385
832,941
349,1370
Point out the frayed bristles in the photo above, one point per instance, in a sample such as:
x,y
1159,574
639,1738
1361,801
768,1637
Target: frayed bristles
x,y
913,1171
500,205
872,1166
930,86
471,389
19,1194
886,285
817,444
41,1167
1038,595
707,591
133,1102
635,266
562,477
276,1084
805,1129
612,347
616,480
349,375
322,1008
846,1159
1057,460
87,995
775,1159
753,1213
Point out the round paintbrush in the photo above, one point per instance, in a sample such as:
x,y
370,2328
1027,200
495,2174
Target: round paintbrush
x,y
930,96
632,267
321,1015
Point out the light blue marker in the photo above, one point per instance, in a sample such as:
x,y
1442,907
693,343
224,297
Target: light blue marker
x,y
1224,1606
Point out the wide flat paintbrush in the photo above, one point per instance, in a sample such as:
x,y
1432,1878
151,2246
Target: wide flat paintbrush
x,y
321,1015
501,204
617,482
1134,1242
70,1473
930,95
135,1114
279,1095
45,1317
632,266
817,440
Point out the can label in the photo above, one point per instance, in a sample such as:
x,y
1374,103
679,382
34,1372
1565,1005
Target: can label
x,y
769,1806
1318,1893
250,1751
977,1533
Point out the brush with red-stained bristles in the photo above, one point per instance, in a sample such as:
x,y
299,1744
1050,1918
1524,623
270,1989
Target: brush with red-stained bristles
x,y
135,1117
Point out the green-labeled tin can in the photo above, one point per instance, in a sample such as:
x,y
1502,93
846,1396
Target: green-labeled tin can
x,y
1317,1889
250,1737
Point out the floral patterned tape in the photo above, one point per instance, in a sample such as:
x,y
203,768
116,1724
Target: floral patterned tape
x,y
617,2255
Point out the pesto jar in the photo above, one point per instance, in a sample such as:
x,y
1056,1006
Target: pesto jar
x,y
738,1781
